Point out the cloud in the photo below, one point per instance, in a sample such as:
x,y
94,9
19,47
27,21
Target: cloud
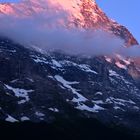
x,y
133,51
50,33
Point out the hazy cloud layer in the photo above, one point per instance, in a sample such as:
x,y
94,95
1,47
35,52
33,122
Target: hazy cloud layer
x,y
44,32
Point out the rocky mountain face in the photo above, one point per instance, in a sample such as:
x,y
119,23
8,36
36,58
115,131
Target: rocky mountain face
x,y
38,86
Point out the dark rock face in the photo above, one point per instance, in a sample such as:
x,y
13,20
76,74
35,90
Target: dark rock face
x,y
41,87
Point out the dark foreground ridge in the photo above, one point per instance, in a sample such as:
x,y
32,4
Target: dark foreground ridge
x,y
79,129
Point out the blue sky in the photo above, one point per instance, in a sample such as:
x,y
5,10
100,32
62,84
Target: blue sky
x,y
126,12
9,1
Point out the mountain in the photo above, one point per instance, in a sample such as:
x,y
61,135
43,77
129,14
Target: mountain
x,y
37,86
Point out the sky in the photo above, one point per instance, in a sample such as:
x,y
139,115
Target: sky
x,y
125,12
10,0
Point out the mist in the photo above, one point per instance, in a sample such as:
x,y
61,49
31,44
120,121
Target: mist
x,y
49,33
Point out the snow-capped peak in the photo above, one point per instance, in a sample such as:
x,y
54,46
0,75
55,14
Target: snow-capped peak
x,y
69,13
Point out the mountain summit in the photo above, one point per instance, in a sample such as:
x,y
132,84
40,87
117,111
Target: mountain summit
x,y
79,13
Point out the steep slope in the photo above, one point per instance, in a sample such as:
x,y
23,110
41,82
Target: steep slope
x,y
38,87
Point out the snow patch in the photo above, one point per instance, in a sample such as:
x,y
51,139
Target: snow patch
x,y
31,80
93,109
39,59
98,93
115,74
122,66
86,68
11,119
24,118
108,59
39,114
14,81
98,102
68,84
118,101
126,61
56,63
83,67
53,109
117,108
20,93
80,99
